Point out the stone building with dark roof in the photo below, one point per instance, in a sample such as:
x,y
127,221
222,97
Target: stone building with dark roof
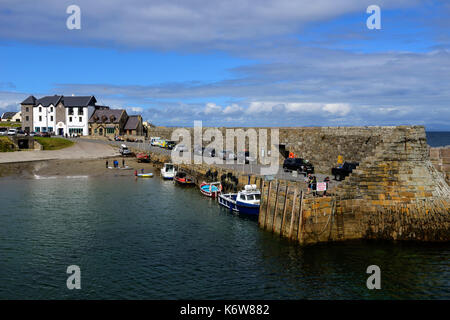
x,y
134,126
107,122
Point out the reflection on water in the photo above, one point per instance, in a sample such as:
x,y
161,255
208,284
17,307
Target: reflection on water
x,y
150,239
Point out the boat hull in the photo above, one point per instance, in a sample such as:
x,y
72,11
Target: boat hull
x,y
206,190
229,201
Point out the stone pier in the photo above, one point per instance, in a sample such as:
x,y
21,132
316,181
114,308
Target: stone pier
x,y
396,193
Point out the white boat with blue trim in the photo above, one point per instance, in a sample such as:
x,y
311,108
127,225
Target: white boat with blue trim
x,y
168,172
246,201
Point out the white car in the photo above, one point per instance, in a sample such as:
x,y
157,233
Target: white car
x,y
3,131
155,141
181,148
12,132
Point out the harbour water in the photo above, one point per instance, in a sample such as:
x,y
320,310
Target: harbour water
x,y
438,138
150,239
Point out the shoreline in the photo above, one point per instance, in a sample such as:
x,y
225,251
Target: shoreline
x,y
71,167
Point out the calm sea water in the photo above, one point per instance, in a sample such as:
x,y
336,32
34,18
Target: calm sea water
x,y
438,138
150,239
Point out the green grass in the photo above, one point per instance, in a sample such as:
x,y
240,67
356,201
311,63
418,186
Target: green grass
x,y
6,145
54,143
10,124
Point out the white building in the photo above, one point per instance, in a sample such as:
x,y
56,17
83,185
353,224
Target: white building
x,y
60,114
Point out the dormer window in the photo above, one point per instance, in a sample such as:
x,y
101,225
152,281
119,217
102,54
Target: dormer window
x,y
51,109
80,111
71,111
40,109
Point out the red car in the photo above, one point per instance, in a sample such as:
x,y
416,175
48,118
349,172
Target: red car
x,y
143,157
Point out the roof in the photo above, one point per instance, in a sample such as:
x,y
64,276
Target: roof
x,y
70,101
48,100
29,100
79,101
132,122
8,115
112,115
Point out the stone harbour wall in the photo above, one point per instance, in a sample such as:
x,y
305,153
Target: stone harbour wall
x,y
396,193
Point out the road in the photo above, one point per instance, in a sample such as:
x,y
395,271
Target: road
x,y
82,149
246,169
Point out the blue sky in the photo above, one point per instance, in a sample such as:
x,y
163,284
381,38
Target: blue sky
x,y
235,63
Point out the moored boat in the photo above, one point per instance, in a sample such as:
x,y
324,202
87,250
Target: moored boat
x,y
211,189
168,171
183,179
246,201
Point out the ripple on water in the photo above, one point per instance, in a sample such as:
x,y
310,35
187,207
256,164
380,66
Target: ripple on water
x,y
149,239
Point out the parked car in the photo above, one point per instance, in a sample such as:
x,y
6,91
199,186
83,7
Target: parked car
x,y
32,134
143,157
12,132
181,148
3,131
244,156
340,173
154,141
21,132
169,144
198,150
226,155
298,164
209,152
44,134
124,151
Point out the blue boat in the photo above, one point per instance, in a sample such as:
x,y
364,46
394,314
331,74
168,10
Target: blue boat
x,y
245,202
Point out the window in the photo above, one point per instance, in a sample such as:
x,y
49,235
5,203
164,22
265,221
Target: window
x,y
40,109
80,111
40,118
50,129
37,129
27,118
51,109
95,130
71,111
27,109
75,130
80,119
110,130
70,119
51,118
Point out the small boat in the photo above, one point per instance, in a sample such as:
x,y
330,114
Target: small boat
x,y
246,201
168,171
211,189
183,179
145,175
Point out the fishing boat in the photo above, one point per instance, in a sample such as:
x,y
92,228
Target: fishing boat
x,y
211,189
246,201
168,171
183,179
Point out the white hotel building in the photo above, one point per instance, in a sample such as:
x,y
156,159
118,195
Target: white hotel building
x,y
60,114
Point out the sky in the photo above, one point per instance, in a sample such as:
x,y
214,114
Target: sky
x,y
235,62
